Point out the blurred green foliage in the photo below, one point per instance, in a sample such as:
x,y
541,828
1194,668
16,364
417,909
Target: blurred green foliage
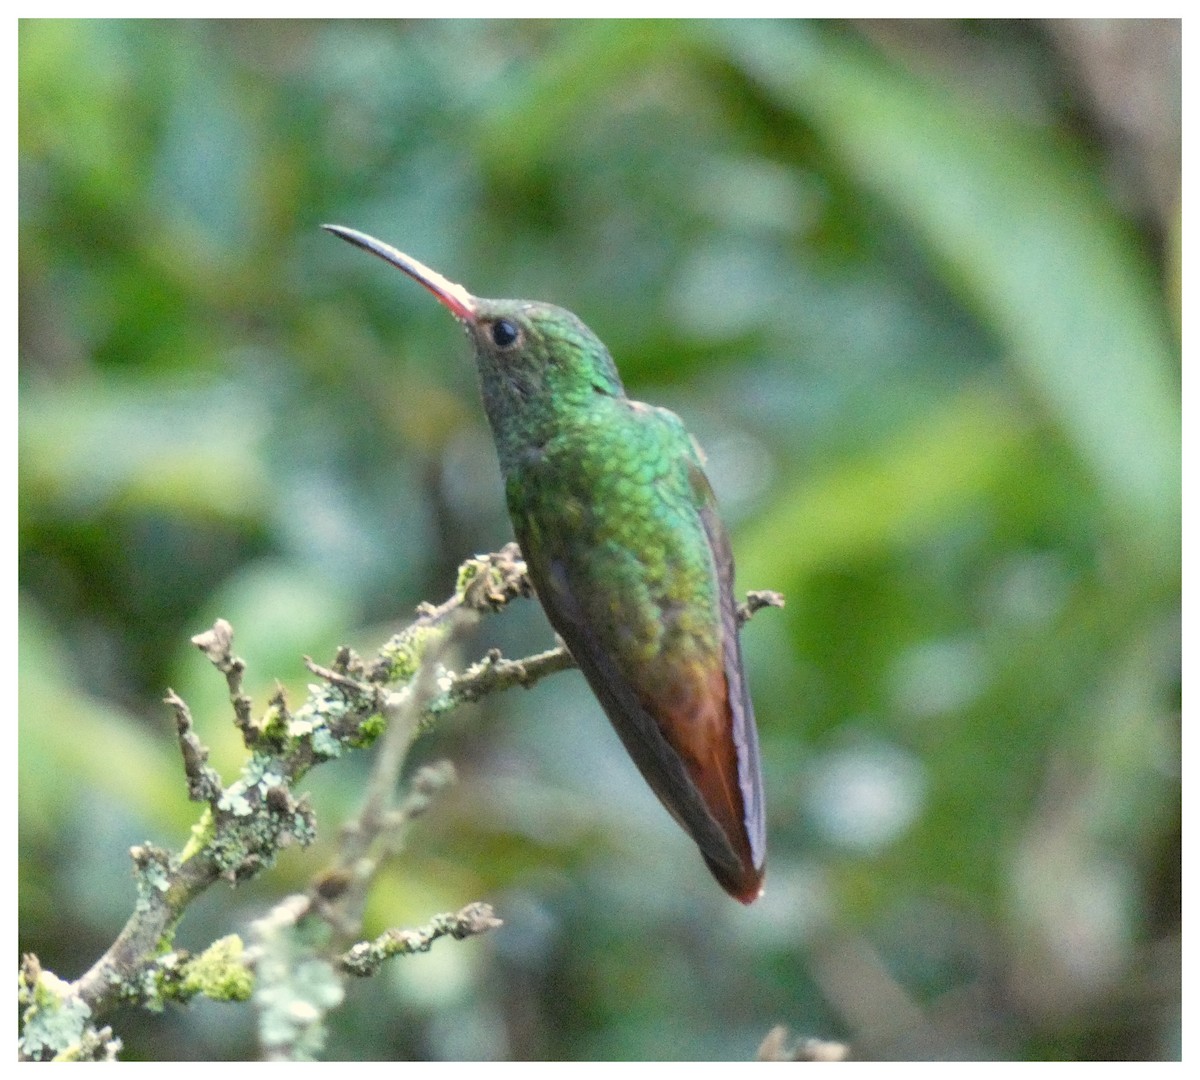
x,y
914,288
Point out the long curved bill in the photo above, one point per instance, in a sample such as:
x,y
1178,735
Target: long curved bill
x,y
455,297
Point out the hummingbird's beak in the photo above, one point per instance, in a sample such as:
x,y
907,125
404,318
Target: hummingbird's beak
x,y
455,297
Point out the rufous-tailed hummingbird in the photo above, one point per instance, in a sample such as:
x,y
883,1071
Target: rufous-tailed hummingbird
x,y
620,534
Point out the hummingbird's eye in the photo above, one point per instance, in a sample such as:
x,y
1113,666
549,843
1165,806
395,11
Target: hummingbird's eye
x,y
505,333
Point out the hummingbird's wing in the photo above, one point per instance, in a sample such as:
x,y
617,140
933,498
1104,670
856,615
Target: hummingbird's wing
x,y
640,590
741,710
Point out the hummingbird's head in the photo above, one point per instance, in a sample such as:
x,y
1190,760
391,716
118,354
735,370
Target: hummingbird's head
x,y
527,352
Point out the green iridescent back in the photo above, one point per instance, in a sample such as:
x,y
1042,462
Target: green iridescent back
x,y
614,497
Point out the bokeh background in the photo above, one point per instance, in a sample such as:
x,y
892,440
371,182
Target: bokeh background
x,y
914,287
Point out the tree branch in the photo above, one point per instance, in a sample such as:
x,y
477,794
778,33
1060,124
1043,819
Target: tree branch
x,y
244,825
365,957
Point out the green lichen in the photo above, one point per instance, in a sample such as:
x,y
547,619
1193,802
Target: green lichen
x,y
318,717
259,774
273,725
153,882
156,877
256,769
148,988
234,800
325,705
166,941
368,731
201,835
220,972
405,651
93,1045
467,573
228,852
325,744
304,829
54,1020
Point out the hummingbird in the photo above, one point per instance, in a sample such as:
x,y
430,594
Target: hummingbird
x,y
626,552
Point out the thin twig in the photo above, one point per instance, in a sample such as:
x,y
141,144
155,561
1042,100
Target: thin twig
x,y
756,600
216,643
365,957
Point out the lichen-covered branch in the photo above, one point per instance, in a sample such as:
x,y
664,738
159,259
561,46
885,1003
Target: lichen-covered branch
x,y
365,957
302,949
494,673
245,824
298,980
